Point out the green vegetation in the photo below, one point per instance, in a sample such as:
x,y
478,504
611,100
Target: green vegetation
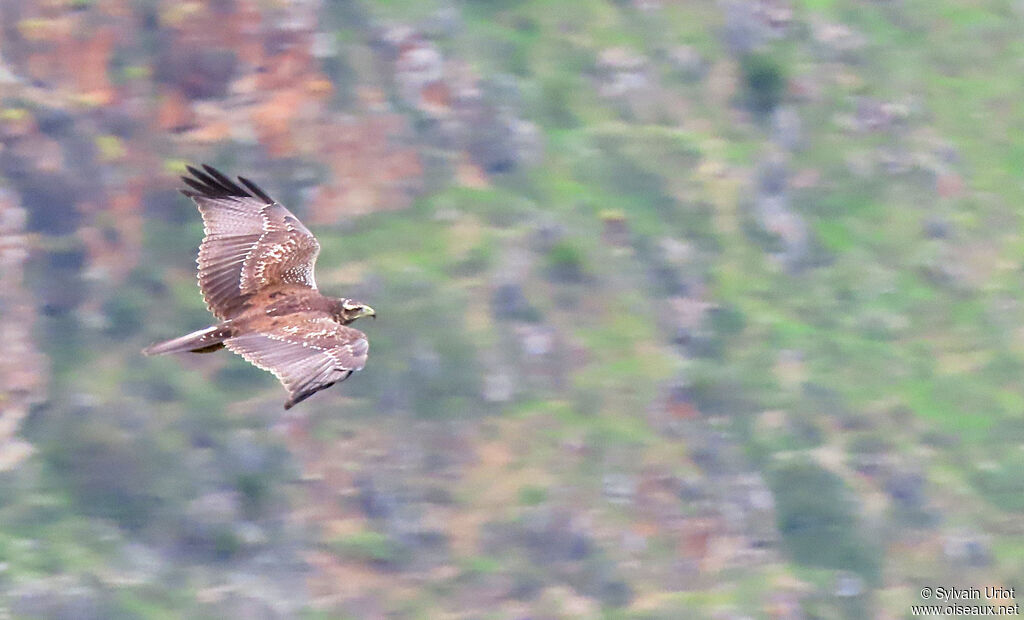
x,y
368,547
818,521
764,81
566,263
693,310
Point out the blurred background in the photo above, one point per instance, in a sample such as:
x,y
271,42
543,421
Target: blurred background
x,y
688,309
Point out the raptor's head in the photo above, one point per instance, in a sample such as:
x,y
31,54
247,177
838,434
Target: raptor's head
x,y
347,310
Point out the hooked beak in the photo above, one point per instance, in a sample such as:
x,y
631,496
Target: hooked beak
x,y
370,312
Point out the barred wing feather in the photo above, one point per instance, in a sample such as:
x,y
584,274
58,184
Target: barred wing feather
x,y
251,242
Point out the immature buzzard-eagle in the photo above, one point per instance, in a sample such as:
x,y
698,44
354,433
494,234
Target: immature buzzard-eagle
x,y
256,274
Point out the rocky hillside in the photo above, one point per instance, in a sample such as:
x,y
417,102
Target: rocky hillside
x,y
687,309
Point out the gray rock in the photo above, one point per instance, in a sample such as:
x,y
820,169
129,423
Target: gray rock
x,y
837,41
688,62
849,585
509,302
742,32
56,598
622,72
213,510
446,22
619,488
787,129
936,227
967,548
546,234
498,387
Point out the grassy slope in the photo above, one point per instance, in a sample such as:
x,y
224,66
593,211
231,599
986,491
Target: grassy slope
x,y
952,359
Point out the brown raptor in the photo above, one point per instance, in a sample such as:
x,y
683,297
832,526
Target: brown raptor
x,y
256,275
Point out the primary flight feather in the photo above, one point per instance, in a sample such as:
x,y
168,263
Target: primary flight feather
x,y
256,275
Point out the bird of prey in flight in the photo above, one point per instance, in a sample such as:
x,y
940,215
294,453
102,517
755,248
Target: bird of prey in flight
x,y
256,275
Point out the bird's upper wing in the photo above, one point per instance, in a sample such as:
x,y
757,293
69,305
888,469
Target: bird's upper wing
x,y
308,352
250,242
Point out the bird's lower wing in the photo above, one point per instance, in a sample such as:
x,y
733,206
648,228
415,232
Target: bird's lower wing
x,y
306,355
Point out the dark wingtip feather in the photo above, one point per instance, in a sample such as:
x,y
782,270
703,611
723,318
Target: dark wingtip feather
x,y
197,186
255,189
223,180
214,172
212,183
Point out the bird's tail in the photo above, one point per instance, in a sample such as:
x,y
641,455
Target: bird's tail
x,y
202,341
